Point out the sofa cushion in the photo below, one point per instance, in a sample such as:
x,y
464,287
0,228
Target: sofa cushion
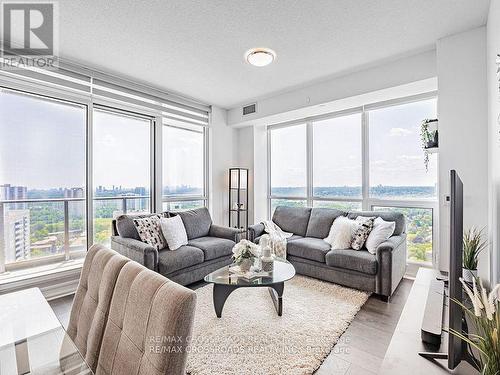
x,y
125,224
213,247
397,217
185,256
355,260
197,222
292,219
321,221
308,248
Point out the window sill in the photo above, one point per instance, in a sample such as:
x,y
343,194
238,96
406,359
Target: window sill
x,y
54,280
412,268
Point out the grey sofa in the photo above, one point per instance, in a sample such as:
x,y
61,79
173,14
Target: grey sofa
x,y
209,247
311,256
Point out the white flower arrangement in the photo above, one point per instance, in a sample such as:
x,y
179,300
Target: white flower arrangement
x,y
245,250
485,317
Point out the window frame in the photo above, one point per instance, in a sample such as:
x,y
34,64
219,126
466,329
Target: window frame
x,y
46,90
134,114
183,198
367,202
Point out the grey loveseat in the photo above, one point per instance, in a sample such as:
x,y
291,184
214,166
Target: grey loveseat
x,y
209,247
311,256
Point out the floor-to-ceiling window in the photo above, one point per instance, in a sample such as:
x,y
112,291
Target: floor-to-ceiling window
x,y
122,167
184,166
337,167
367,158
398,177
78,152
288,184
42,179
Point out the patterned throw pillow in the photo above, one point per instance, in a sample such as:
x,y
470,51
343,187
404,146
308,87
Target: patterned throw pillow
x,y
150,231
362,233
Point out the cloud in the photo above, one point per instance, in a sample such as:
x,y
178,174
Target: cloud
x,y
399,132
410,157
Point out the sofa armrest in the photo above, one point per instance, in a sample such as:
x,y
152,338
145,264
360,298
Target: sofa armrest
x,y
391,259
223,232
136,250
391,244
255,231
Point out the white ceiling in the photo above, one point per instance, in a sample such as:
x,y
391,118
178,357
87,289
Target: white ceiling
x,y
196,48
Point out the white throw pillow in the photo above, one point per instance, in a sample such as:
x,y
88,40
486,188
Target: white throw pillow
x,y
381,232
174,232
341,233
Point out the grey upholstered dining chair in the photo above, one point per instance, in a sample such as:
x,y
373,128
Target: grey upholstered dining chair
x,y
127,319
148,326
92,300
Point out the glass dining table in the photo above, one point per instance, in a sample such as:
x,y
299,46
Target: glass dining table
x,y
32,340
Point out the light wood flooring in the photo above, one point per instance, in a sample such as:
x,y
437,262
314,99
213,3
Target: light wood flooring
x,y
361,348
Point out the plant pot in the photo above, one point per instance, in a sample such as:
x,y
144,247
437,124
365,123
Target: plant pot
x,y
245,265
468,275
434,141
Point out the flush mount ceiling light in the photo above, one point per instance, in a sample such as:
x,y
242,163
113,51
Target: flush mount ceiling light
x,y
260,56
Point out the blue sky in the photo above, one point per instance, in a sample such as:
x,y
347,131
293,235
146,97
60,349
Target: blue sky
x,y
42,145
396,158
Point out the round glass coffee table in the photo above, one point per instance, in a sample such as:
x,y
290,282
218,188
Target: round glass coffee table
x,y
226,282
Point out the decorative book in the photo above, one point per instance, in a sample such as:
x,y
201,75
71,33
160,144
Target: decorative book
x,y
249,275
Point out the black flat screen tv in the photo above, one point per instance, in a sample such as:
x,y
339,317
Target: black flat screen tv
x,y
455,345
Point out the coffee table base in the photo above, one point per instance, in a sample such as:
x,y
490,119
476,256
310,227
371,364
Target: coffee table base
x,y
222,291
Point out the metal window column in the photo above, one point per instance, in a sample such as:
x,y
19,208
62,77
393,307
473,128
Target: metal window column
x,y
309,163
365,159
90,175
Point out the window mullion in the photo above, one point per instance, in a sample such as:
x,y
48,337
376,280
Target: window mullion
x,y
206,167
365,160
269,156
309,164
90,175
157,164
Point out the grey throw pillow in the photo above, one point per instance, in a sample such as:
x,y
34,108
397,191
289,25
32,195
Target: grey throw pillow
x,y
362,233
149,230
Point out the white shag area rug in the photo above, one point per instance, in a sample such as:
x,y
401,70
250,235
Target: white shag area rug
x,y
251,338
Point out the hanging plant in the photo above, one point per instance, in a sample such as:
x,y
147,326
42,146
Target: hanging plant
x,y
428,138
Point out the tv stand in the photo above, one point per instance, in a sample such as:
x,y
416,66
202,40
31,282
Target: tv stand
x,y
432,355
406,343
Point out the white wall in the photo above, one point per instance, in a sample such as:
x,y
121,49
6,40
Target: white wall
x,y
222,139
260,173
311,100
493,48
245,159
463,138
251,153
